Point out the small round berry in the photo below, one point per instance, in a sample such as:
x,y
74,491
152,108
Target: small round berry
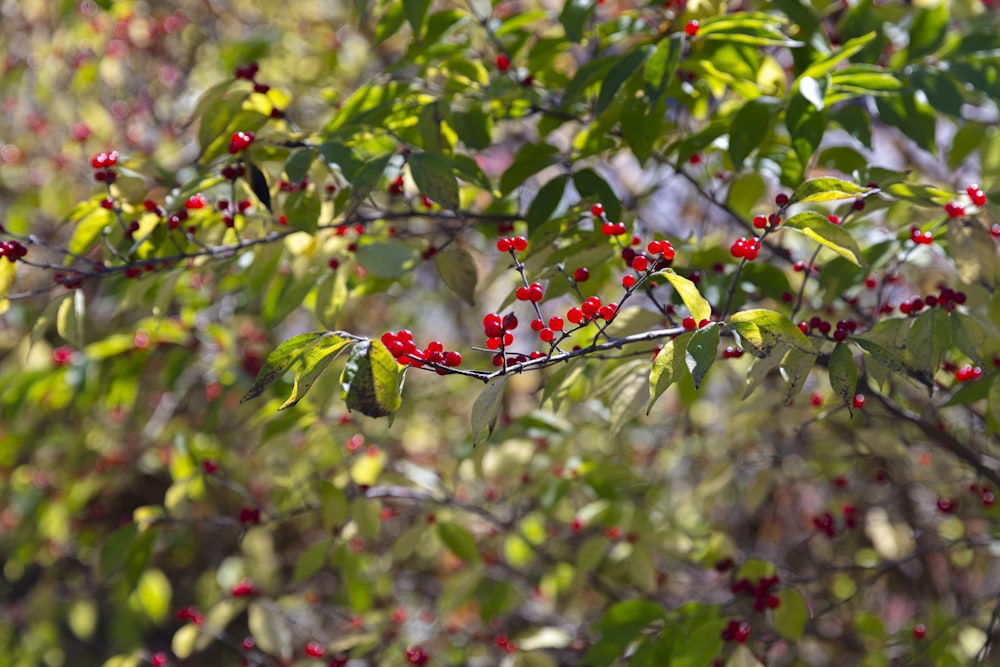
x,y
537,324
781,199
574,315
946,505
759,221
314,650
919,631
640,263
628,282
597,210
581,275
503,62
158,659
691,29
556,323
689,324
519,243
859,401
954,209
504,245
546,335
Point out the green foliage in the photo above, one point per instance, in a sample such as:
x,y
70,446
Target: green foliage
x,y
675,200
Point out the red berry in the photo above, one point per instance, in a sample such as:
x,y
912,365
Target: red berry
x,y
556,323
954,209
654,247
640,263
689,323
977,196
759,221
415,655
158,659
546,335
597,210
781,199
210,466
314,650
919,631
535,292
859,401
537,324
574,315
520,243
946,505
581,275
691,29
504,245
196,201
833,219
523,293
452,359
628,282
503,62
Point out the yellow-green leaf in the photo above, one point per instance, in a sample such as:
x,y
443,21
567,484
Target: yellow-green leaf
x,y
843,375
372,381
486,409
774,323
688,291
458,271
668,367
824,232
701,352
459,541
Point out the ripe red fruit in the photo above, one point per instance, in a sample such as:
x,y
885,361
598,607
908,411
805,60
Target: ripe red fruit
x,y
691,29
546,335
415,655
240,141
628,282
522,293
243,588
314,650
946,505
919,631
556,323
158,659
977,196
503,62
597,210
535,292
574,315
781,199
640,263
689,323
759,221
954,209
859,401
210,466
196,201
581,275
504,245
519,243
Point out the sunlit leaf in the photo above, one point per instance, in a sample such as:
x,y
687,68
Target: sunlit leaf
x,y
372,381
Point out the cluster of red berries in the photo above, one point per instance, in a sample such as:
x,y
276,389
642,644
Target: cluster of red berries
x,y
415,655
396,187
946,298
736,631
401,346
732,353
12,250
690,325
506,644
826,523
607,228
250,515
985,493
508,243
745,248
288,186
240,141
228,213
921,238
314,649
498,330
243,588
532,292
761,592
232,171
590,309
976,194
968,373
190,614
762,222
247,72
954,209
103,163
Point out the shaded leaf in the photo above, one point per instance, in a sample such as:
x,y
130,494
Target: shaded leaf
x,y
311,365
387,259
843,375
458,271
972,248
281,359
270,628
331,295
791,616
372,381
545,202
967,335
459,541
589,183
750,127
795,368
259,185
486,409
616,76
434,177
701,352
116,549
669,366
630,395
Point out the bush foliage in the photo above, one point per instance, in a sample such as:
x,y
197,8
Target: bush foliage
x,y
516,333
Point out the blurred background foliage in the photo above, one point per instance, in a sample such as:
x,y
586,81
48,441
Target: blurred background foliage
x,y
145,514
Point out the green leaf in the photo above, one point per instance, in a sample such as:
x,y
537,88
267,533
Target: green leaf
x,y
761,367
281,359
825,65
116,549
459,541
669,366
826,189
390,22
458,271
474,127
756,340
88,221
843,375
270,628
750,127
574,17
993,406
927,32
973,250
302,210
941,89
619,627
617,75
969,137
791,616
775,324
71,318
586,76
486,409
824,232
688,291
545,202
630,395
367,178
701,352
416,14
795,368
297,166
968,336
331,295
528,161
153,593
589,183
312,560
663,62
914,118
372,381
333,505
343,158
928,340
311,364
387,259
434,177
882,355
